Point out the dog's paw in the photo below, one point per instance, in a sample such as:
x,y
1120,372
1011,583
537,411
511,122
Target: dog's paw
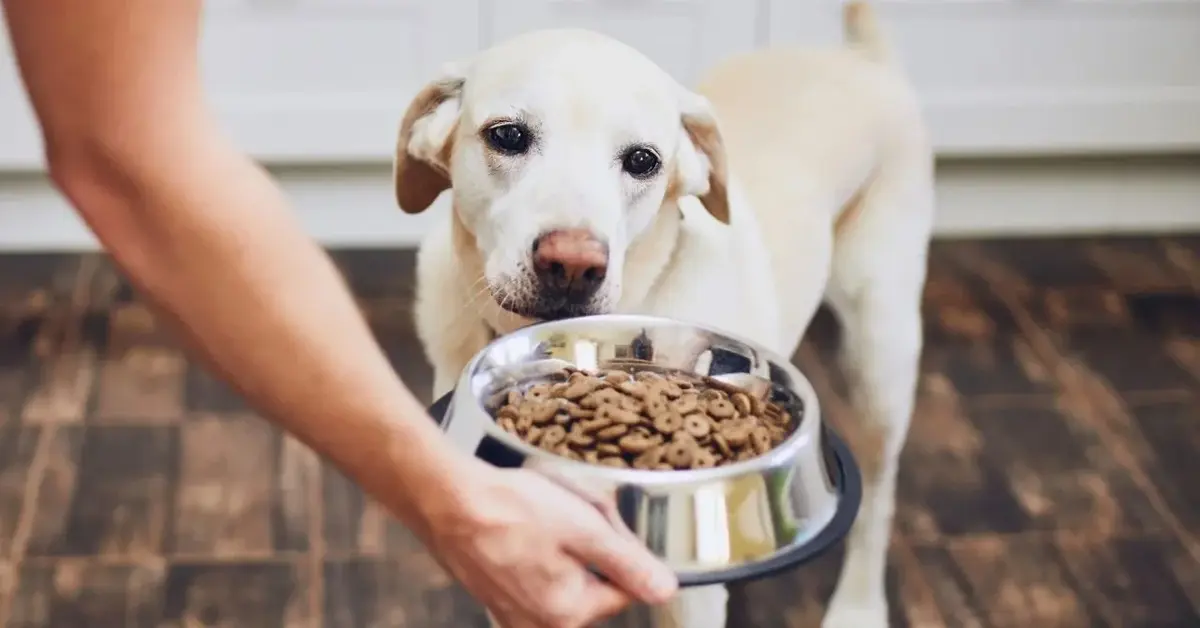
x,y
857,614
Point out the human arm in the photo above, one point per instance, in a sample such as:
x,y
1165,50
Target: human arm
x,y
206,235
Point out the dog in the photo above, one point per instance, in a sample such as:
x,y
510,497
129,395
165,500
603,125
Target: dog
x,y
585,180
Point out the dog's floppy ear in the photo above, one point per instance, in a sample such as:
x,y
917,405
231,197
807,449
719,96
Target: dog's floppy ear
x,y
701,167
421,169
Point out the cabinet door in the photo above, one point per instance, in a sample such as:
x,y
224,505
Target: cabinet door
x,y
1038,76
305,80
683,36
20,140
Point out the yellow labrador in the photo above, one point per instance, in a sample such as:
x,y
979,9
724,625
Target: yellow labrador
x,y
585,180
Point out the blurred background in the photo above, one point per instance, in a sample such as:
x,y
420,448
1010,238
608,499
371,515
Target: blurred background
x,y
1050,478
1049,115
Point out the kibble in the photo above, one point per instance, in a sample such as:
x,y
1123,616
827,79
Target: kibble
x,y
643,419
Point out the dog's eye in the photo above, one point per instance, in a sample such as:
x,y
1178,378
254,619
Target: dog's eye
x,y
640,162
508,138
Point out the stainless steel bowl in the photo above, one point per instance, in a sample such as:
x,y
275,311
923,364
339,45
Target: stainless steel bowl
x,y
721,524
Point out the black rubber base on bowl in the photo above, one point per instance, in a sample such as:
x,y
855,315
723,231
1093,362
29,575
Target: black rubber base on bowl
x,y
847,478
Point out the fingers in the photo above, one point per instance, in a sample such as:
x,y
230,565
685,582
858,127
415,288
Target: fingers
x,y
583,606
603,601
603,501
626,563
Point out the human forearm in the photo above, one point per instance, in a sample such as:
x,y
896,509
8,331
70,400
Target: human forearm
x,y
207,236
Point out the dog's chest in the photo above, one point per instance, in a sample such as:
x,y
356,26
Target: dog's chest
x,y
718,276
721,293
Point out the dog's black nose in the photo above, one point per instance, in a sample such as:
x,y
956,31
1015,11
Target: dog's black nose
x,y
570,264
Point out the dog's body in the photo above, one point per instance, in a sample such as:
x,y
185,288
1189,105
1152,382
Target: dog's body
x,y
832,200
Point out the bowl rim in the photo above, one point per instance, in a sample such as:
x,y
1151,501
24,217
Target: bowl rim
x,y
781,457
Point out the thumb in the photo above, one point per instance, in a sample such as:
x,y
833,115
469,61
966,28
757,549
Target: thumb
x,y
624,561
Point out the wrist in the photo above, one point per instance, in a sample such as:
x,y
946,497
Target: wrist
x,y
414,470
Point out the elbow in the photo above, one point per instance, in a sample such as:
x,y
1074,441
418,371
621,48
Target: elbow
x,y
101,186
86,174
106,194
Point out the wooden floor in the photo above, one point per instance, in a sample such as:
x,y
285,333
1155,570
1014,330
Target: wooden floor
x,y
1052,477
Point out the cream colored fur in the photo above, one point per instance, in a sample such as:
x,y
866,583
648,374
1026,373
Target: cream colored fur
x,y
820,165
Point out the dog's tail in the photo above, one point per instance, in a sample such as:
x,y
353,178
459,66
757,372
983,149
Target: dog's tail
x,y
862,31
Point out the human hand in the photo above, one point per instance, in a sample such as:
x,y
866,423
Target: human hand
x,y
522,544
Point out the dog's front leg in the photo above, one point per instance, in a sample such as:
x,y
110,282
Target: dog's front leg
x,y
450,332
450,356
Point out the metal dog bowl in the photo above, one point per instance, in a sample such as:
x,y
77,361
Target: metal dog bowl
x,y
717,525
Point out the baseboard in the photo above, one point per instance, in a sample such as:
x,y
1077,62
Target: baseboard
x,y
1133,195
352,207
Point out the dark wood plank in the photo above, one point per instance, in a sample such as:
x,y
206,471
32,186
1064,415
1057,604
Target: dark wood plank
x,y
106,285
1183,252
33,282
142,372
1017,582
957,602
1136,265
1133,582
391,323
1186,353
63,370
387,592
957,308
1003,365
1130,362
1172,429
972,339
1166,315
262,594
62,388
204,392
355,526
122,492
1049,262
74,593
1087,310
16,347
378,273
1047,480
231,500
351,524
297,510
55,490
17,447
1060,471
948,485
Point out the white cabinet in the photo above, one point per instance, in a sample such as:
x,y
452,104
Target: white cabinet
x,y
302,80
1039,76
683,36
20,141
325,81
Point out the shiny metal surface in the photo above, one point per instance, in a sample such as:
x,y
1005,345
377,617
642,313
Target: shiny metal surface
x,y
699,521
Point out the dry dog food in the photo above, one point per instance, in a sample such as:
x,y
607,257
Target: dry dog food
x,y
644,420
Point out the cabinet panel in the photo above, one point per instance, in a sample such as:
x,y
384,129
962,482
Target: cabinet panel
x,y
683,36
1038,76
304,80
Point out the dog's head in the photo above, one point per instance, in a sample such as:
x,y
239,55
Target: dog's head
x,y
562,147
